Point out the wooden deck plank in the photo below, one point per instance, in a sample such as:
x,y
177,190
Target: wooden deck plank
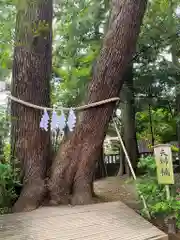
x,y
103,221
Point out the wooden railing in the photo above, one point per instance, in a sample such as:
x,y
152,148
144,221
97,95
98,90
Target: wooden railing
x,y
112,158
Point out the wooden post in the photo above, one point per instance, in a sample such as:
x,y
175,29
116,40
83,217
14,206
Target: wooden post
x,y
172,229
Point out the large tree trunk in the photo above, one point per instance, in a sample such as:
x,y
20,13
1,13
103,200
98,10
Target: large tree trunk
x,y
73,168
128,119
31,83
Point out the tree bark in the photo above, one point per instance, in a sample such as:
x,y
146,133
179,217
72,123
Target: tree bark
x,y
31,82
128,118
73,169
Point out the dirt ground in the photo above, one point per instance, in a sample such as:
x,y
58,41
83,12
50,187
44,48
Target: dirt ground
x,y
119,188
114,189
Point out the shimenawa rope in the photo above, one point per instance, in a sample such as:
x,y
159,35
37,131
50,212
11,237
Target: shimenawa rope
x,y
89,105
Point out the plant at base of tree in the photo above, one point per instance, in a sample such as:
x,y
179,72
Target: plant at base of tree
x,y
155,194
8,184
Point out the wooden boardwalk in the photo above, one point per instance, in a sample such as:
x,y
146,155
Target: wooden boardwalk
x,y
102,221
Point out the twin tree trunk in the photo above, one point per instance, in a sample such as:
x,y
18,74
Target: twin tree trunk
x,y
72,170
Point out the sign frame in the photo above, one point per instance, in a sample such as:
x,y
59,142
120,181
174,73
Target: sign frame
x,y
164,164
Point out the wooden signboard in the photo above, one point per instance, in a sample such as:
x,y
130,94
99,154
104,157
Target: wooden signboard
x,y
163,157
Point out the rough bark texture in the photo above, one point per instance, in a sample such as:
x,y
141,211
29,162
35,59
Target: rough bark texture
x,y
31,83
73,169
128,119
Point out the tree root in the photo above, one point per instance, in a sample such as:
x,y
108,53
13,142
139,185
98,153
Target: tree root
x,y
31,196
59,191
82,191
82,198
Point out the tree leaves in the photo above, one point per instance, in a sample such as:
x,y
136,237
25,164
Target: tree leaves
x,y
78,28
7,22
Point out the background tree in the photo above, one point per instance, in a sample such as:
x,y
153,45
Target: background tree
x,y
128,119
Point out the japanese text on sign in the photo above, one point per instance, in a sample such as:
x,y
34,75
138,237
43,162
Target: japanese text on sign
x,y
164,161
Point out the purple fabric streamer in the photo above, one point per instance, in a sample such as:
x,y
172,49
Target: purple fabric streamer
x,y
54,120
71,122
61,121
44,121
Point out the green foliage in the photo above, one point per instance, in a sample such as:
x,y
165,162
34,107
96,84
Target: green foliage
x,y
6,152
40,29
8,175
155,74
155,194
78,30
148,165
174,149
8,181
7,23
163,123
